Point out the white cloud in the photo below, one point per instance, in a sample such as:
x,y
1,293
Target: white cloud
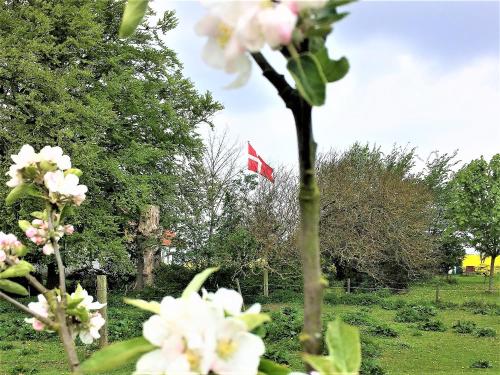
x,y
392,95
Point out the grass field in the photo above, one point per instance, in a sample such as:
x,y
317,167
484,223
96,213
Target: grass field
x,y
401,334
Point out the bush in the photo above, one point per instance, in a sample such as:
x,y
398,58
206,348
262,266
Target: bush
x,y
486,332
464,326
395,304
481,364
285,323
358,319
383,330
371,366
481,307
416,313
432,325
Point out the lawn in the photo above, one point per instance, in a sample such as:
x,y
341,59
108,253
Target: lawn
x,y
398,331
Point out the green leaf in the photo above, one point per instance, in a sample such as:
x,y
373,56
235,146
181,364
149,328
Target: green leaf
x,y
21,251
271,368
24,225
132,16
77,172
12,287
117,355
253,321
195,284
320,363
80,312
309,78
39,215
17,270
334,70
152,306
66,211
74,302
344,347
20,192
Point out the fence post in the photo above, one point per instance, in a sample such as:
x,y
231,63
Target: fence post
x,y
437,292
102,297
348,285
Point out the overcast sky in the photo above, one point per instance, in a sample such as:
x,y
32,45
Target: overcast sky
x,y
424,74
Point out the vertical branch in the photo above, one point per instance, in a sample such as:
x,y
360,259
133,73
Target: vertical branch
x,y
309,205
309,224
60,311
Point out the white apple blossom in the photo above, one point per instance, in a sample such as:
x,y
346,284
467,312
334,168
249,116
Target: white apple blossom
x,y
3,256
55,155
299,5
48,249
277,25
88,301
184,332
238,351
41,308
89,331
23,159
64,189
201,335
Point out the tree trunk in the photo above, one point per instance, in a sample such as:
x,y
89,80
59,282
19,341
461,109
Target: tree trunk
x,y
492,273
139,278
149,226
52,277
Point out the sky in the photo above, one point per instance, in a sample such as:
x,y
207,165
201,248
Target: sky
x,y
424,74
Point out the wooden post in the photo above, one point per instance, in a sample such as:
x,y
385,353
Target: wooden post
x,y
348,285
102,297
238,286
437,292
266,282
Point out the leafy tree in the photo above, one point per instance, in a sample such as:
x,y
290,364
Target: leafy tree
x,y
475,206
121,109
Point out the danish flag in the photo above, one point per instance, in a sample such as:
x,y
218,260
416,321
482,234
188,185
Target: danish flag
x,y
256,164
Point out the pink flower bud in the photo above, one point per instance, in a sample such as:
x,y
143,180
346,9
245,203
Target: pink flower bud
x,y
69,229
38,240
31,232
37,222
3,256
48,249
38,325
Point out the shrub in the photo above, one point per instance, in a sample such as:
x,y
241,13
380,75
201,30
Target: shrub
x,y
395,304
24,370
481,364
416,313
464,326
486,332
481,307
383,330
371,366
432,325
358,319
285,323
4,346
446,305
332,298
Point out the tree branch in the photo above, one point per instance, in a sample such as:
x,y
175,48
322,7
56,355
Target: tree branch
x,y
285,91
20,306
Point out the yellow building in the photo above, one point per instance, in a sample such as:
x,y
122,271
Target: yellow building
x,y
473,263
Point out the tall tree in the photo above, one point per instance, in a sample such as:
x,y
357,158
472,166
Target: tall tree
x,y
121,109
475,206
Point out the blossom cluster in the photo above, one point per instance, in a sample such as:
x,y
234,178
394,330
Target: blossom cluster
x,y
200,335
49,168
85,323
38,233
236,27
9,244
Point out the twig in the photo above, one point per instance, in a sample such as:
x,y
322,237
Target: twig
x,y
20,306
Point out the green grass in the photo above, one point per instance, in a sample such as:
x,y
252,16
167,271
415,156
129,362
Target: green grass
x,y
409,351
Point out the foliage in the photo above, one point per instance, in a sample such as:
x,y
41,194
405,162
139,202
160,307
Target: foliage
x,y
475,206
486,332
123,111
383,330
432,325
481,364
415,313
464,326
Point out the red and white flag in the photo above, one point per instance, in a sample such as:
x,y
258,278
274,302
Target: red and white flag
x,y
256,164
